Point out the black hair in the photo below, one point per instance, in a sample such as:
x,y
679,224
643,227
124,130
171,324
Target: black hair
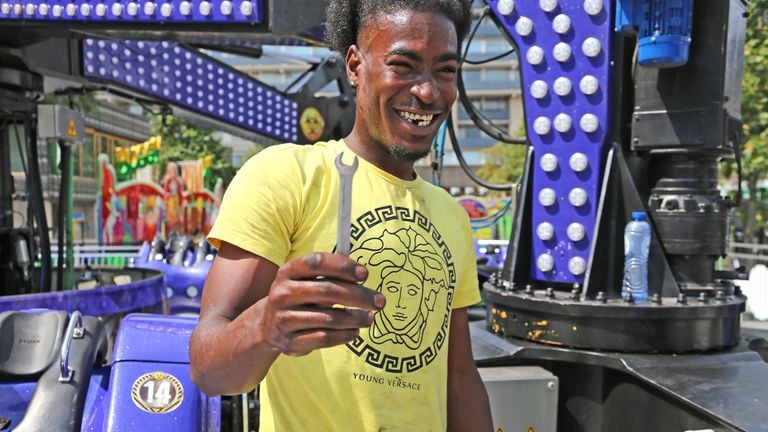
x,y
345,18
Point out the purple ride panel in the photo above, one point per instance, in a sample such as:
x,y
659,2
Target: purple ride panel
x,y
560,43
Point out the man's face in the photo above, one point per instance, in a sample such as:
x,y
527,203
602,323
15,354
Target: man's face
x,y
405,66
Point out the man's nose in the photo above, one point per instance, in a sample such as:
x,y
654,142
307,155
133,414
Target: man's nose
x,y
425,90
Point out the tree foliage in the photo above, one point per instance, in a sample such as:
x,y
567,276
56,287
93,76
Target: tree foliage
x,y
504,162
183,141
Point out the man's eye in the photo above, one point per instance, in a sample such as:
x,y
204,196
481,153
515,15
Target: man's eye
x,y
448,69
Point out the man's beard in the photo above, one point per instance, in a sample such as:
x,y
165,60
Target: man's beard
x,y
401,153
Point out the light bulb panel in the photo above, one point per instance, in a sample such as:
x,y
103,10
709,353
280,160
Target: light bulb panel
x,y
184,78
560,91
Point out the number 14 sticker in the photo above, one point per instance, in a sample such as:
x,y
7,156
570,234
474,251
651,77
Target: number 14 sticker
x,y
157,392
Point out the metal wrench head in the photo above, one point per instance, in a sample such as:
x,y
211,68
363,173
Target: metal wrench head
x,y
343,168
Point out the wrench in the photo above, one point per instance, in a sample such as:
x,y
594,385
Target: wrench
x,y
346,172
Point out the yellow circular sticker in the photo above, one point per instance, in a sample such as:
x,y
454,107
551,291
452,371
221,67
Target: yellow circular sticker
x,y
157,392
312,123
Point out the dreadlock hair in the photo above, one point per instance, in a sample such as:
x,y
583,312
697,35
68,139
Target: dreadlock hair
x,y
345,18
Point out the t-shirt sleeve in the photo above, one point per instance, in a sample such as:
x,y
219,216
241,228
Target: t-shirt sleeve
x,y
259,208
467,290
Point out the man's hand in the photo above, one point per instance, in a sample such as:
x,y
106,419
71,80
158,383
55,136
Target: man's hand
x,y
317,301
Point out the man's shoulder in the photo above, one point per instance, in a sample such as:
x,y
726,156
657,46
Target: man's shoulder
x,y
286,156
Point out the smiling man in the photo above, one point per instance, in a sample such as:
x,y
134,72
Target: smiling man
x,y
378,340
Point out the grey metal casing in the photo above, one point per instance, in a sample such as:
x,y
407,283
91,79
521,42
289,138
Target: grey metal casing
x,y
522,398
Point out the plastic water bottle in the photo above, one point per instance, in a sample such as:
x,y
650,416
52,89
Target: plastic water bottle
x,y
637,242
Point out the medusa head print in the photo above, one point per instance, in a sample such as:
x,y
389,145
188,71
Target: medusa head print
x,y
411,266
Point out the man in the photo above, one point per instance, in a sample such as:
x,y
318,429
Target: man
x,y
379,340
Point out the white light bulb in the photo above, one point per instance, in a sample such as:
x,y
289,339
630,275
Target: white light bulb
x,y
593,7
166,10
563,123
562,86
117,9
535,55
506,6
545,262
547,197
246,8
548,162
43,9
576,232
577,266
539,89
132,9
589,123
577,197
226,8
524,26
578,162
18,9
101,10
589,85
149,8
56,11
185,8
192,291
541,125
591,47
85,9
548,5
545,231
5,8
31,9
561,24
71,9
205,8
562,52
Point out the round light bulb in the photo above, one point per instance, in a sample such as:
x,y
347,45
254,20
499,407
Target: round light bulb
x,y
166,10
5,8
226,8
576,232
545,262
562,86
71,9
57,10
539,89
561,24
149,8
169,292
578,162
132,9
246,8
577,266
548,5
18,9
117,9
589,123
205,8
101,10
547,197
577,197
85,9
563,123
43,9
535,55
524,26
593,7
562,52
541,125
545,231
506,7
589,84
31,9
185,8
591,47
192,291
548,162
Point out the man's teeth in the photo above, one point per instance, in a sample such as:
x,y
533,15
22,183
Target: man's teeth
x,y
419,119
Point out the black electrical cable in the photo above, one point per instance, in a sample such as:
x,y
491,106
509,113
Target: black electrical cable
x,y
65,151
488,60
21,152
465,165
35,189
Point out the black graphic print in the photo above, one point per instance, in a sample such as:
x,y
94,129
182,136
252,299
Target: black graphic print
x,y
411,265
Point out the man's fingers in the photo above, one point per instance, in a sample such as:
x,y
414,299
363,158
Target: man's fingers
x,y
325,265
307,319
329,292
302,343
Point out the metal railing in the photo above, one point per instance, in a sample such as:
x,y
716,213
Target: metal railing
x,y
99,256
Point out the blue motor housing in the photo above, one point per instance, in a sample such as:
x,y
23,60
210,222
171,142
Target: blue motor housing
x,y
663,28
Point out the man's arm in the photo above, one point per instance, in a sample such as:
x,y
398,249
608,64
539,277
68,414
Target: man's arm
x,y
468,408
252,311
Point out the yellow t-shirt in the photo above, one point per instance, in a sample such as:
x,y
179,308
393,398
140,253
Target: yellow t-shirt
x,y
416,242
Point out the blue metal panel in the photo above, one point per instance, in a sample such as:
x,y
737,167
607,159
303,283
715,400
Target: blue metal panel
x,y
193,12
153,338
190,80
587,26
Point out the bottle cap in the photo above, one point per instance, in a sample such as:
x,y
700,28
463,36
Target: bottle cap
x,y
638,216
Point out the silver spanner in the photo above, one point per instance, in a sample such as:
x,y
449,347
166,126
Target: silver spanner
x,y
346,172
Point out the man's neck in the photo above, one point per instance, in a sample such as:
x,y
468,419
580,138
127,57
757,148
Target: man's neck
x,y
378,156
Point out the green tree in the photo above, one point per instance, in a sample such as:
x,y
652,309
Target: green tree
x,y
753,212
253,151
183,141
504,162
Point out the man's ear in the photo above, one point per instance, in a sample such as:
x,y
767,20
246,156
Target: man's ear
x,y
353,62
